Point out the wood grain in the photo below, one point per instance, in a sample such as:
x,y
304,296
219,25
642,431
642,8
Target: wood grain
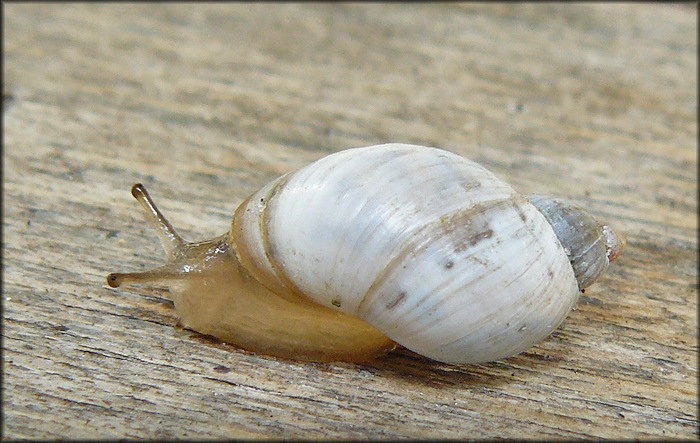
x,y
205,103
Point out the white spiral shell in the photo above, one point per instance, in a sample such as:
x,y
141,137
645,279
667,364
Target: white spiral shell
x,y
428,247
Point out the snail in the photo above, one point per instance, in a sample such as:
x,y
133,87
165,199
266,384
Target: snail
x,y
367,248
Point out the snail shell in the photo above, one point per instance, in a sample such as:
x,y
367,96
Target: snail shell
x,y
395,243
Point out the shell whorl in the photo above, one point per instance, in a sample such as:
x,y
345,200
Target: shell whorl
x,y
405,237
589,245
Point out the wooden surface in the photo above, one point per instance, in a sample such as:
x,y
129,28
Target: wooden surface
x,y
206,103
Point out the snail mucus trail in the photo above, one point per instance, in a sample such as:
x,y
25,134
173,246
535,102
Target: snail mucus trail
x,y
344,258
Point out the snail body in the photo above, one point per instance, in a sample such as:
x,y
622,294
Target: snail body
x,y
369,247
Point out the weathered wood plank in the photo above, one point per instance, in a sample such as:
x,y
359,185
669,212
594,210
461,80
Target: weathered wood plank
x,y
205,103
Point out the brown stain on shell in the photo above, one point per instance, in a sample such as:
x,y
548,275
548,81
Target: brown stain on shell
x,y
445,226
